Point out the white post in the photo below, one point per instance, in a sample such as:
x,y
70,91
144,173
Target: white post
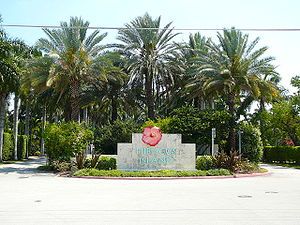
x,y
240,141
213,136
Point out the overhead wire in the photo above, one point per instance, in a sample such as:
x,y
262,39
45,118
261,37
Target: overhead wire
x,y
149,28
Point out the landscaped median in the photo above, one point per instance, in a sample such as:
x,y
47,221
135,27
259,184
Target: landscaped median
x,y
205,165
220,166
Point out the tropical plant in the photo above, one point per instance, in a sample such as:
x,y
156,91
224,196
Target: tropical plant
x,y
67,140
234,70
150,53
20,52
73,51
9,79
251,143
109,87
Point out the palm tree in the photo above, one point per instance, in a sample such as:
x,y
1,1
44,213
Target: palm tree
x,y
74,52
19,53
108,93
196,47
8,80
45,97
149,51
234,69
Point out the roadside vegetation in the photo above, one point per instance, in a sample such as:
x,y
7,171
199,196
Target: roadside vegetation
x,y
73,94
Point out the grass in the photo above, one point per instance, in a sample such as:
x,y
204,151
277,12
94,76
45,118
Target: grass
x,y
289,165
262,170
160,173
8,162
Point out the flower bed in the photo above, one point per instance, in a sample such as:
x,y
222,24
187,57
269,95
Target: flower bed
x,y
160,173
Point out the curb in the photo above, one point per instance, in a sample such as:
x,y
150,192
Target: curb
x,y
177,178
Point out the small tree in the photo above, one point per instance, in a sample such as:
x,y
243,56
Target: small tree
x,y
67,140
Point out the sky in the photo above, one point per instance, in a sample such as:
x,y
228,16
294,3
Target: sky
x,y
284,46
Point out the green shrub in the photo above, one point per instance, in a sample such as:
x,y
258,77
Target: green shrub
x,y
37,153
61,166
66,140
107,137
205,162
282,154
107,163
7,152
252,146
195,126
163,124
22,146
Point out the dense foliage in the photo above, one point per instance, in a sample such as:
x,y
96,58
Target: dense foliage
x,y
251,143
107,137
282,154
146,79
232,162
7,147
22,146
107,163
195,126
66,140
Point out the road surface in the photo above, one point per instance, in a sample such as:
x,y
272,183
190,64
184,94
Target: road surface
x,y
31,198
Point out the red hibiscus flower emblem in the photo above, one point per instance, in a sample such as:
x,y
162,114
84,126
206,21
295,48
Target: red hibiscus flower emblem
x,y
151,135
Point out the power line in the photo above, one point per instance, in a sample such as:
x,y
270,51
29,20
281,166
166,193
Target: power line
x,y
148,28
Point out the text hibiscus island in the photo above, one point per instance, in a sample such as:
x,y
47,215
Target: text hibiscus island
x,y
153,150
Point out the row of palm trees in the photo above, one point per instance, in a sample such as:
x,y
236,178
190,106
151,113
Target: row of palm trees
x,y
70,75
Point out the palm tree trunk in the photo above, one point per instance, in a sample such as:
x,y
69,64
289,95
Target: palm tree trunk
x,y
149,95
16,123
114,109
43,130
85,115
2,120
27,116
74,100
232,138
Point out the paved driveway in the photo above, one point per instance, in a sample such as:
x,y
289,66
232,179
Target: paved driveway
x,y
34,198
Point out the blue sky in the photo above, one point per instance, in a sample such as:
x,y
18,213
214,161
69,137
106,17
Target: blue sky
x,y
284,46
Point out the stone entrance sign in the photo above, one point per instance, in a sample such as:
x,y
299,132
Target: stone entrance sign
x,y
168,153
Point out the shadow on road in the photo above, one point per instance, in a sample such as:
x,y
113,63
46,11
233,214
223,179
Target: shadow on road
x,y
24,167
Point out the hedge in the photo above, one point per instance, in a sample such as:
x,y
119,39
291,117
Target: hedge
x,y
8,147
22,146
282,154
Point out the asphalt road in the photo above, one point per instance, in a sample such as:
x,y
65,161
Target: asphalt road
x,y
28,197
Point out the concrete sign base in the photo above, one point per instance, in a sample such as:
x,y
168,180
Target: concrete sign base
x,y
168,154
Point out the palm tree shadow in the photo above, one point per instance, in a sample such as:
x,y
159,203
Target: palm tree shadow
x,y
24,167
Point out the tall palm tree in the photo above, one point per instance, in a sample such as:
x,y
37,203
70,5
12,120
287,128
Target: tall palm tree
x,y
74,51
20,52
150,51
8,80
234,69
44,97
